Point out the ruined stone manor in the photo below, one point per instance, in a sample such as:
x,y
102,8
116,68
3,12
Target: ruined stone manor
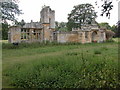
x,y
45,31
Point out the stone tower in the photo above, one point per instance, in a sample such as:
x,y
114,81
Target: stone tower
x,y
48,22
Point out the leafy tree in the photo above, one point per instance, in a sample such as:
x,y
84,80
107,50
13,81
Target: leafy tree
x,y
118,29
9,10
105,25
114,29
61,26
56,25
5,31
81,14
70,25
106,7
21,23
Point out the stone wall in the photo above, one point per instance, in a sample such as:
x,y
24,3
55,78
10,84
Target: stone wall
x,y
102,36
81,36
63,37
14,34
45,31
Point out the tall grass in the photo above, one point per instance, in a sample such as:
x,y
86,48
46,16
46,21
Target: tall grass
x,y
34,45
64,72
77,66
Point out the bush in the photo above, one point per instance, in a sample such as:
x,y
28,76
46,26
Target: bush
x,y
34,45
104,48
110,40
72,53
97,52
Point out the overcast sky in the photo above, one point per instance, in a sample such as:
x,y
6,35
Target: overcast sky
x,y
32,8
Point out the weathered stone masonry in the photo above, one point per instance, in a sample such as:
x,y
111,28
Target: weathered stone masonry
x,y
45,31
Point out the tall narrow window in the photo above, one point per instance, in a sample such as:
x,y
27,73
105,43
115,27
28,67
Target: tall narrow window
x,y
50,22
86,35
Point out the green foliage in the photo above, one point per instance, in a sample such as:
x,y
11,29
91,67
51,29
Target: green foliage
x,y
34,45
111,40
97,52
113,30
56,25
61,26
21,23
71,66
70,25
80,15
72,53
116,29
104,48
116,40
107,6
105,25
5,31
9,10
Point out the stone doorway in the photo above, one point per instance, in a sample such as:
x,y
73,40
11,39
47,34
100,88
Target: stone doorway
x,y
94,36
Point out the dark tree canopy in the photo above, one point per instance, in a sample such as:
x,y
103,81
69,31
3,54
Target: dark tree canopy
x,y
21,23
9,10
118,29
106,7
5,31
80,15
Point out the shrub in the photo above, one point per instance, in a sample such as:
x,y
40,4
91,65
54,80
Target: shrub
x,y
97,52
110,40
34,45
104,48
72,53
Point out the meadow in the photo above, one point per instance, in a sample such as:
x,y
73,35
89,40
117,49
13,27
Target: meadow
x,y
70,65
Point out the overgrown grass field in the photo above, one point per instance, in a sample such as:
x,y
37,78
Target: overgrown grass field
x,y
61,65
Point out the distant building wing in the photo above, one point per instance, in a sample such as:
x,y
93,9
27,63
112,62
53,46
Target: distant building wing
x,y
33,25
